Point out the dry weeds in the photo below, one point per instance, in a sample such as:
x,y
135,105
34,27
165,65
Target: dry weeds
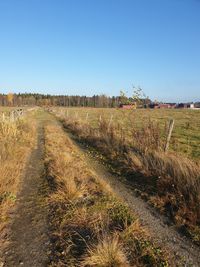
x,y
89,226
16,139
170,178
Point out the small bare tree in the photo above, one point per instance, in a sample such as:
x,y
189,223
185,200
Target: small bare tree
x,y
139,97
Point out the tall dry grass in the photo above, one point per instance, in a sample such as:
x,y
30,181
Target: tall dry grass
x,y
186,135
16,139
171,181
89,226
108,252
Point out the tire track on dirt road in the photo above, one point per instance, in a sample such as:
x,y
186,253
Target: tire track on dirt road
x,y
27,236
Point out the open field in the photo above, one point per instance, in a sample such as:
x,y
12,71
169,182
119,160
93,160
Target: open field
x,y
6,109
186,133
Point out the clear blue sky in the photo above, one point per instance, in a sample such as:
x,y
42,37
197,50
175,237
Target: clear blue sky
x,y
101,46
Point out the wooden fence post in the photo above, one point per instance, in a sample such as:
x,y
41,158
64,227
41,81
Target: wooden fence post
x,y
171,126
109,124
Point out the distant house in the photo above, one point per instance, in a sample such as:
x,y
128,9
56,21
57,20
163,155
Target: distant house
x,y
173,105
154,105
191,105
186,105
197,105
164,106
182,105
161,106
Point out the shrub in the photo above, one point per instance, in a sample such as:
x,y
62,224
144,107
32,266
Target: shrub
x,y
119,214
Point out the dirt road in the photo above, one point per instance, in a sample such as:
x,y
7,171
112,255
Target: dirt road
x,y
28,231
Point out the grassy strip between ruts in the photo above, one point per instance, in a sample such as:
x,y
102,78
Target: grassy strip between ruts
x,y
89,225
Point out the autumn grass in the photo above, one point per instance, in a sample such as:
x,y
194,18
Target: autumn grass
x,y
186,134
16,139
108,252
89,225
169,181
6,110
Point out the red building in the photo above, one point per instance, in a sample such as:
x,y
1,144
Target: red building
x,y
162,106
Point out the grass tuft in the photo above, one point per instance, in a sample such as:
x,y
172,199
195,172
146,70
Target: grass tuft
x,y
108,252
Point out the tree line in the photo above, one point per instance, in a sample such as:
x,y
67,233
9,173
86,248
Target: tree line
x,y
31,99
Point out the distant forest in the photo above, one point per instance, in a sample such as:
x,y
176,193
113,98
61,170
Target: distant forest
x,y
63,100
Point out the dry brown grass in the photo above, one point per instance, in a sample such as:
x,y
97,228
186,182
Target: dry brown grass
x,y
107,253
88,224
185,137
16,139
169,177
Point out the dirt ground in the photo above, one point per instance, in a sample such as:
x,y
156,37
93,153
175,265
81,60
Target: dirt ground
x,y
27,241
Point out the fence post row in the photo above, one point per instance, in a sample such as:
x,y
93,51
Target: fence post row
x,y
13,115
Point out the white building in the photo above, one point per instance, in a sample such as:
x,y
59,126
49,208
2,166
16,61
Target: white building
x,y
191,105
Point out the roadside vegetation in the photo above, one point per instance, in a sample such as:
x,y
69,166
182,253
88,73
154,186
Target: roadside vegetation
x,y
90,226
168,181
16,139
186,134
